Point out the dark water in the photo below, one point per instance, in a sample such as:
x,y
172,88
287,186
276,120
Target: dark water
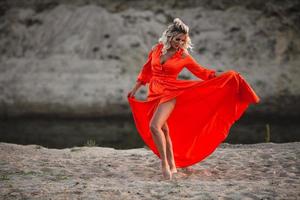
x,y
120,132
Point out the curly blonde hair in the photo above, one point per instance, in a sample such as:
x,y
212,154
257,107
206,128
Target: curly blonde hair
x,y
173,29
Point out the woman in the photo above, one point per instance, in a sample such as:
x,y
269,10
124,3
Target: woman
x,y
183,121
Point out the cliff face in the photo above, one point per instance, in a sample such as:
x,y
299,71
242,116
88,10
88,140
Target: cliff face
x,y
72,58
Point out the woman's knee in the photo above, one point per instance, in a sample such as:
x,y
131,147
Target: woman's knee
x,y
155,128
165,129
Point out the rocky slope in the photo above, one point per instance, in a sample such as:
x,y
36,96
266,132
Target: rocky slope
x,y
72,58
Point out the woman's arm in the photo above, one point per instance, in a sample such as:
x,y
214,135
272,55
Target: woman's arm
x,y
198,70
135,88
146,73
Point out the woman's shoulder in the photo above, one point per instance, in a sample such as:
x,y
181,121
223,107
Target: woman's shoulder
x,y
185,54
156,46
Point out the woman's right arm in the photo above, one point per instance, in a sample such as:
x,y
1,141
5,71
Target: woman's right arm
x,y
144,75
135,88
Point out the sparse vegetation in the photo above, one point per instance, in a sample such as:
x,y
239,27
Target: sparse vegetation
x,y
90,143
268,134
3,177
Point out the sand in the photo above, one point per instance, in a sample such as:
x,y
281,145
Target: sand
x,y
256,171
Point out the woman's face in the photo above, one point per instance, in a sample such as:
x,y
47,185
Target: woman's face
x,y
178,41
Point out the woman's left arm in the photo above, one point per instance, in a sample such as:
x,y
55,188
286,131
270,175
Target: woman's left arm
x,y
198,70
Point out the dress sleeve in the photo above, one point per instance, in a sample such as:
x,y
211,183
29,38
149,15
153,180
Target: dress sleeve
x,y
146,73
198,70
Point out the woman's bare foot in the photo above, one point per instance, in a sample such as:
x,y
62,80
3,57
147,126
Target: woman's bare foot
x,y
166,171
173,170
188,169
172,165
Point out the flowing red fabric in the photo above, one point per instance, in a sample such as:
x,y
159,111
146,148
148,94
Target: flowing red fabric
x,y
204,111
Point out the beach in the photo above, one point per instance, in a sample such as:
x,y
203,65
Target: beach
x,y
232,171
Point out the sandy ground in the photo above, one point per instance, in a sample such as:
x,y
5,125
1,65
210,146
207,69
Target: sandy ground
x,y
259,171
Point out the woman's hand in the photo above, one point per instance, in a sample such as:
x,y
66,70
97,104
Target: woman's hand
x,y
219,72
133,91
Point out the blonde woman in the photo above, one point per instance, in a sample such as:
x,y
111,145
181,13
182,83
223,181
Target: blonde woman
x,y
183,121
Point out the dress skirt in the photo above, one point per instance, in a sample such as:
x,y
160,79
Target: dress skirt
x,y
202,117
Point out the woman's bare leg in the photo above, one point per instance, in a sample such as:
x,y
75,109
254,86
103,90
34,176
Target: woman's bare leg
x,y
169,148
158,120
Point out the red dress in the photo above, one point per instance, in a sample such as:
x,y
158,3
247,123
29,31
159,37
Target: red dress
x,y
204,111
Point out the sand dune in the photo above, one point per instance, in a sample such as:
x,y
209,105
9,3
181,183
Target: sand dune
x,y
257,171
